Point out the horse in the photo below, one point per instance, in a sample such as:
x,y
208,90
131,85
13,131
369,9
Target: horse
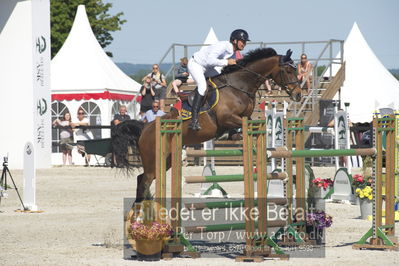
x,y
237,85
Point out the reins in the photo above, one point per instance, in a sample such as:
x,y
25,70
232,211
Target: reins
x,y
260,78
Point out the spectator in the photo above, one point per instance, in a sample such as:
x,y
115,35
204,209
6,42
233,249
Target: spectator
x,y
66,137
147,94
154,112
82,134
181,75
158,83
122,116
268,87
305,71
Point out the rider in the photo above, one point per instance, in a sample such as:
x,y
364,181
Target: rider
x,y
203,63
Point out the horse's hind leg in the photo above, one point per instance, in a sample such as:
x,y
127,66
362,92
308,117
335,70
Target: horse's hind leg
x,y
144,182
140,190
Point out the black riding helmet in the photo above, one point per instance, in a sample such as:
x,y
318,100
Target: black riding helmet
x,y
239,35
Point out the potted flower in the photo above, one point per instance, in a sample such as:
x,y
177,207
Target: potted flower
x,y
322,184
148,229
360,182
149,237
363,191
321,187
316,222
366,205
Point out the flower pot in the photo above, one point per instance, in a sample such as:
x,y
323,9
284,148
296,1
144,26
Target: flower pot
x,y
320,193
366,208
149,250
320,202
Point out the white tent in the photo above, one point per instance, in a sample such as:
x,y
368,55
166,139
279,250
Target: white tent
x,y
368,84
82,75
210,38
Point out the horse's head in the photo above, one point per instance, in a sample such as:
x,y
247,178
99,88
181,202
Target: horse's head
x,y
285,76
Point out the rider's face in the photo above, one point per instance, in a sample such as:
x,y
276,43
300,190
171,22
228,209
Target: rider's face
x,y
240,44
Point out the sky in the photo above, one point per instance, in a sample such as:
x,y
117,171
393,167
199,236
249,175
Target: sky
x,y
153,25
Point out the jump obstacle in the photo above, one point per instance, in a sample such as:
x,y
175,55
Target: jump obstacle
x,y
381,235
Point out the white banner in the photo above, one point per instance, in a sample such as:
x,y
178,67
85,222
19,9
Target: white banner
x,y
279,130
269,127
342,125
41,46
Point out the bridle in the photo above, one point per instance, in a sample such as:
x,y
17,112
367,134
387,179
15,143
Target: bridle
x,y
261,79
284,84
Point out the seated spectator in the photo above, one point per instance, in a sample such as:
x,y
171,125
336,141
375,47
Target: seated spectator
x,y
268,87
66,137
305,71
121,116
147,96
158,83
82,134
154,112
181,75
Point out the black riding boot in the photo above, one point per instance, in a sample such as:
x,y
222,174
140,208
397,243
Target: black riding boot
x,y
196,107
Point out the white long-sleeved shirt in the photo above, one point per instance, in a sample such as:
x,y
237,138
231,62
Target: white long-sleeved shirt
x,y
214,55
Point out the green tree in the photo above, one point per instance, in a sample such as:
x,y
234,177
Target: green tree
x,y
63,13
320,70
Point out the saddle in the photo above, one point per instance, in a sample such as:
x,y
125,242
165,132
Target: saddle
x,y
189,97
210,100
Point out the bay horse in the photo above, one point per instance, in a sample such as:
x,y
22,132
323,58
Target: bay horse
x,y
237,85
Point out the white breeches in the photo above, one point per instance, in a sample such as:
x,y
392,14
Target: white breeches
x,y
199,74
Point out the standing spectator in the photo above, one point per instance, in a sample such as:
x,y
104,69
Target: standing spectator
x,y
82,134
121,116
66,137
181,75
154,112
305,71
147,96
158,82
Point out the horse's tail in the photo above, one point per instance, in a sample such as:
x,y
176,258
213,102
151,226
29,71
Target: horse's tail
x,y
124,136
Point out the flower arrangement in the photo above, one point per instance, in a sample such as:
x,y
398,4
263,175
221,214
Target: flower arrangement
x,y
323,182
365,193
360,182
153,231
319,219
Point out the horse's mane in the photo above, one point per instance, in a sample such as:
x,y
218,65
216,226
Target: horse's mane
x,y
250,57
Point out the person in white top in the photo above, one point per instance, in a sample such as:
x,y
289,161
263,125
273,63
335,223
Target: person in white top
x,y
202,65
82,134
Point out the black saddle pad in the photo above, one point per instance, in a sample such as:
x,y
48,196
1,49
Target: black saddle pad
x,y
212,100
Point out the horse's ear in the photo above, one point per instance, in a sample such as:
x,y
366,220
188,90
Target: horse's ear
x,y
287,57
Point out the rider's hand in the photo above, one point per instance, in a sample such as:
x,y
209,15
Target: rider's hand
x,y
231,61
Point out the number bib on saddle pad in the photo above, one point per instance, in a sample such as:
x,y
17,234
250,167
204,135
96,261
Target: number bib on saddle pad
x,y
212,99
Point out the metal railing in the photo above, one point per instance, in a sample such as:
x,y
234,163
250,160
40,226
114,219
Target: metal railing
x,y
324,57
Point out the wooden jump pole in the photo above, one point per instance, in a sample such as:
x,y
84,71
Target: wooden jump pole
x,y
382,236
248,187
231,178
168,138
281,153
